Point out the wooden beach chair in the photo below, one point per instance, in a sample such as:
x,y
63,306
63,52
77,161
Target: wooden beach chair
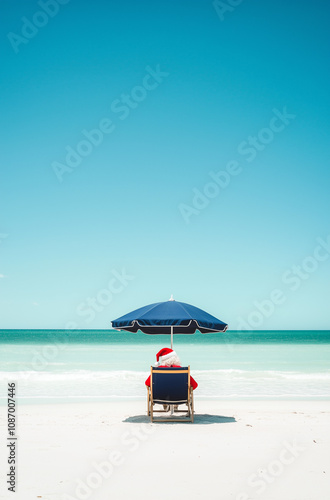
x,y
170,386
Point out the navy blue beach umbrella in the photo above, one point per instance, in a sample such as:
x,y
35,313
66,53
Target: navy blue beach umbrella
x,y
169,318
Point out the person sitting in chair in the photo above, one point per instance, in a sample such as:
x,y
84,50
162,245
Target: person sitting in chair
x,y
168,358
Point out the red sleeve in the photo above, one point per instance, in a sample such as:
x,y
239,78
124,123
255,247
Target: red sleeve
x,y
193,383
147,382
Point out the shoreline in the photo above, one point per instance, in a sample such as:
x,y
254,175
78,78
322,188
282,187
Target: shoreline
x,y
88,400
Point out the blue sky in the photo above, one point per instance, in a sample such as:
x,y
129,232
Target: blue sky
x,y
168,92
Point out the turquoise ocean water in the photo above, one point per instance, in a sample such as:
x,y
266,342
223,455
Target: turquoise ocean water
x,y
69,366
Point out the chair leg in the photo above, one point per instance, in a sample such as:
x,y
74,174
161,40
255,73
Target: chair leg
x,y
191,406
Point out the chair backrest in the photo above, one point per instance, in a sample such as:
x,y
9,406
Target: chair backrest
x,y
170,385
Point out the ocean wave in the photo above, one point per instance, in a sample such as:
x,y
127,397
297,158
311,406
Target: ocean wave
x,y
234,374
74,375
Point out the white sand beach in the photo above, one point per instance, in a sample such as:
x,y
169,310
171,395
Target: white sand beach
x,y
235,450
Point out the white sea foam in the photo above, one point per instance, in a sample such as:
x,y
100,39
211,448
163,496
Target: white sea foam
x,y
117,384
73,375
137,375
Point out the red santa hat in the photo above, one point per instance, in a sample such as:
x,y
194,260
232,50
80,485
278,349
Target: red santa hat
x,y
164,354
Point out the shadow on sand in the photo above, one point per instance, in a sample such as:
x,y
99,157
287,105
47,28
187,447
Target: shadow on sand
x,y
199,418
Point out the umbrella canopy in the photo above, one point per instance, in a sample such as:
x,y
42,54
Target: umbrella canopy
x,y
170,317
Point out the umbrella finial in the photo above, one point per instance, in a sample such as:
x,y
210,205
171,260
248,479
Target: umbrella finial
x,y
171,297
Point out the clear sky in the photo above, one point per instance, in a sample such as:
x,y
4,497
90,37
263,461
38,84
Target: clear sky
x,y
153,148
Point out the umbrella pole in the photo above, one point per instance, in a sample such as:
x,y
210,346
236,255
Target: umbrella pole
x,y
172,406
